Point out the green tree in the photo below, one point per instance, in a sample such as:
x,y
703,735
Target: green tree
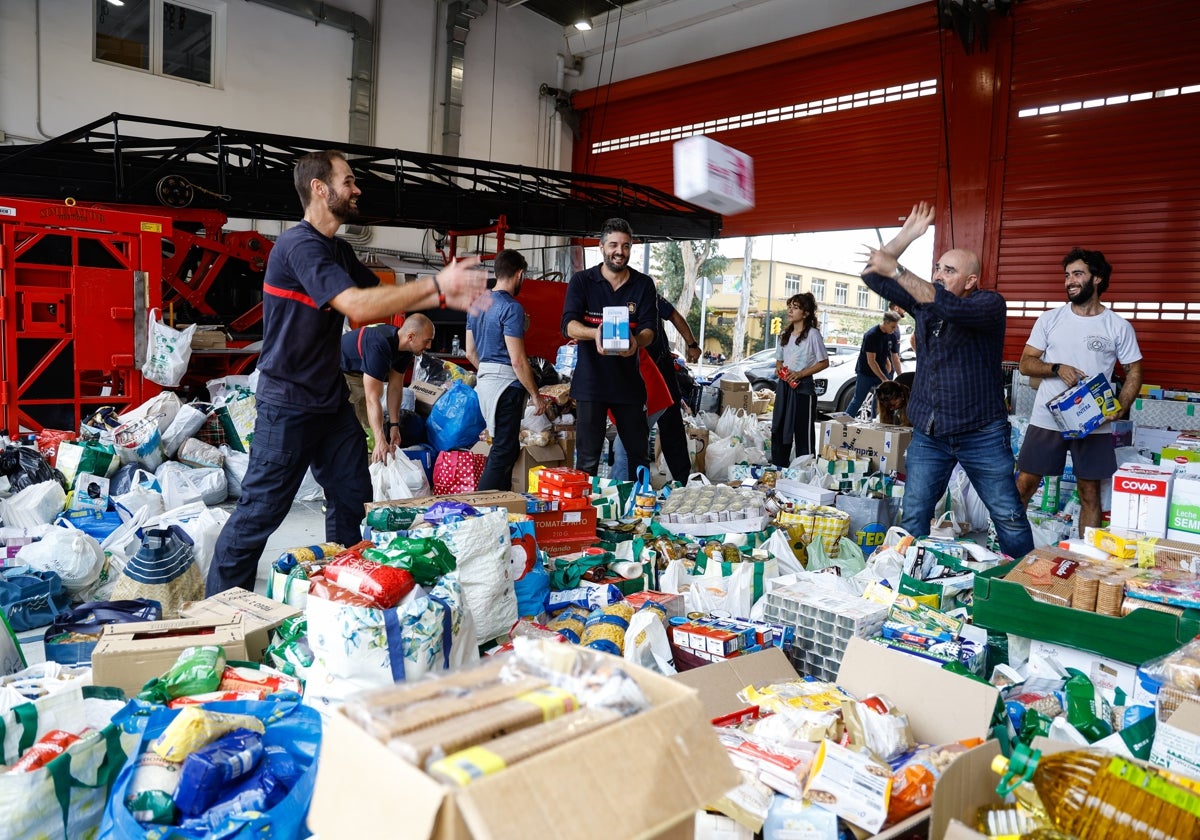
x,y
677,266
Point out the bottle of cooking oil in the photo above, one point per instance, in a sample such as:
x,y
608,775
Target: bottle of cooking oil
x,y
1093,794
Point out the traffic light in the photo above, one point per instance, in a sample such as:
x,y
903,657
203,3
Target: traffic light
x,y
776,325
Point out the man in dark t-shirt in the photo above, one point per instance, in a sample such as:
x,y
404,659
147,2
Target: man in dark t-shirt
x,y
377,355
610,383
313,282
874,360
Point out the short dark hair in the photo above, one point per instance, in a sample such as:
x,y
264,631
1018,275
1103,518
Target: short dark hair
x,y
314,165
1097,265
508,262
615,226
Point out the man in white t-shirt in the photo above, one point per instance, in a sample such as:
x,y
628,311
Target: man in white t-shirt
x,y
1068,345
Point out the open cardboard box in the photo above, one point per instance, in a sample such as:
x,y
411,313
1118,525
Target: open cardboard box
x,y
260,615
530,456
640,777
941,706
129,655
967,785
1177,741
426,395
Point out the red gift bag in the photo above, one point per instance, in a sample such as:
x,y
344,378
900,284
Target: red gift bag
x,y
457,471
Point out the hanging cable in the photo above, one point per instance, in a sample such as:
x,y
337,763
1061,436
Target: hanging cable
x,y
612,66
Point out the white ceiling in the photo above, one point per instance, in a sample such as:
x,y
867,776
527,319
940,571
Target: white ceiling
x,y
650,35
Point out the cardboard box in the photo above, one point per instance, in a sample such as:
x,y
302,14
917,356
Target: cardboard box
x,y
514,502
529,457
713,175
426,395
1106,674
1177,741
614,329
969,784
560,531
941,706
129,655
260,615
1140,495
884,445
1080,410
635,778
208,337
697,442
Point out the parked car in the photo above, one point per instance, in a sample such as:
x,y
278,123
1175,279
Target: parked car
x,y
835,384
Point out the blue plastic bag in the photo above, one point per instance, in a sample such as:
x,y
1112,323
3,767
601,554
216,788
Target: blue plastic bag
x,y
290,725
92,522
455,420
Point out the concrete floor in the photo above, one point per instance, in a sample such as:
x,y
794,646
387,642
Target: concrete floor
x,y
304,525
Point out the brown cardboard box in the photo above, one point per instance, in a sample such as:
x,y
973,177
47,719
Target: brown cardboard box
x,y
636,778
883,444
129,655
734,385
426,395
515,502
260,614
697,443
941,707
208,337
531,456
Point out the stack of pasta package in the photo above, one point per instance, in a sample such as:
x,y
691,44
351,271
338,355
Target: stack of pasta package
x,y
475,723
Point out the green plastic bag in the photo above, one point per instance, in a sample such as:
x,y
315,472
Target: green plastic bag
x,y
425,558
393,518
198,670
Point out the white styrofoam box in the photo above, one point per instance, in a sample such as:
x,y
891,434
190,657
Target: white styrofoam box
x,y
713,175
1140,494
1183,513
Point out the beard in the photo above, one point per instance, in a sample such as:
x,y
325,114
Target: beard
x,y
342,207
615,267
1084,294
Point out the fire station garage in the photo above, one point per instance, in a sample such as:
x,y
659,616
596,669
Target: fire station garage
x,y
369,468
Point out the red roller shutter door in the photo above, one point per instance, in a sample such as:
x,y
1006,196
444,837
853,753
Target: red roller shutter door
x,y
1122,177
843,125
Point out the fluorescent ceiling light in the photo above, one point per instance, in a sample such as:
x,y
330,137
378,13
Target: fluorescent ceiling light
x,y
116,2
582,25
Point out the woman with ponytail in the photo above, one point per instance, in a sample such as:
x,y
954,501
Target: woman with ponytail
x,y
801,353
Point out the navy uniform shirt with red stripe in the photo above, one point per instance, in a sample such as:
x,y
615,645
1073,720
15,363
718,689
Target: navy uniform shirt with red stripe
x,y
375,351
300,363
609,379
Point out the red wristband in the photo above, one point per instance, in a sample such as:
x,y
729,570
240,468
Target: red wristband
x,y
437,287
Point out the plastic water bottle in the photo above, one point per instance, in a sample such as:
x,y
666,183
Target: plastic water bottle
x,y
455,346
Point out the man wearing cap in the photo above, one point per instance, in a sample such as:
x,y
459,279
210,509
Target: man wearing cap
x,y
1068,345
379,355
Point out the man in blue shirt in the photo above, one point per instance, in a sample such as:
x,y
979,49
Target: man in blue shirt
x,y
874,360
496,327
313,282
610,383
957,403
377,355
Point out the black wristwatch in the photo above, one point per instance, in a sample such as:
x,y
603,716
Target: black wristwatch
x,y
695,344
1054,369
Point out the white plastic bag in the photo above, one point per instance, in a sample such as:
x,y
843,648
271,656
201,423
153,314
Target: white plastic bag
x,y
37,504
165,406
398,477
178,489
480,546
723,453
137,500
646,643
167,352
310,490
196,453
188,420
968,507
734,595
75,556
236,464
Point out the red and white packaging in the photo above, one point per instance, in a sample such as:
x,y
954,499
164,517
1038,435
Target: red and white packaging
x,y
1141,494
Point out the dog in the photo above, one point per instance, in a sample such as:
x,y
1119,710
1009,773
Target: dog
x,y
891,404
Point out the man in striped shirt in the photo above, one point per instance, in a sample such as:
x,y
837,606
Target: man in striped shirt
x,y
313,282
957,405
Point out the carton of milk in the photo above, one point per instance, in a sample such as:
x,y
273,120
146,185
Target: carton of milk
x,y
614,329
1183,515
713,175
1081,409
1141,495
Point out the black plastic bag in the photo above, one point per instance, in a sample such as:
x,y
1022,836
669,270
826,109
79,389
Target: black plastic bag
x,y
544,372
24,466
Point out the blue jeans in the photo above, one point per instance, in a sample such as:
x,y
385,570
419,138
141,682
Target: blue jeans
x,y
620,467
986,457
863,383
